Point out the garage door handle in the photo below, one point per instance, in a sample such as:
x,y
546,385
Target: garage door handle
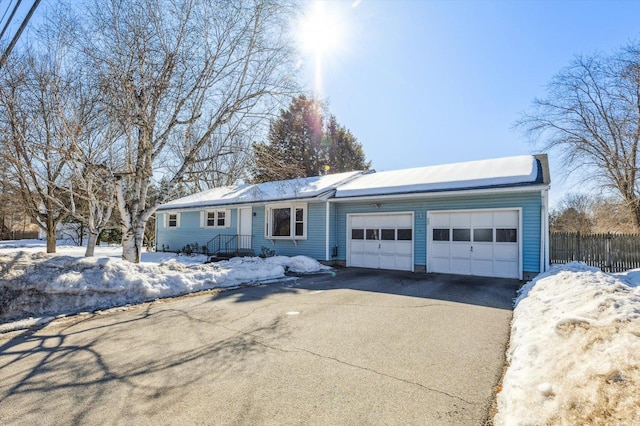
x,y
471,248
378,245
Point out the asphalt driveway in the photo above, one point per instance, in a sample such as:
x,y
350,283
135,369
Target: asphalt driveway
x,y
355,347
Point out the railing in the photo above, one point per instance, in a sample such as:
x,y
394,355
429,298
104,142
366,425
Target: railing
x,y
227,244
609,252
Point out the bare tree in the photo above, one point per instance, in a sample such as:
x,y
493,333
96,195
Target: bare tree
x,y
172,74
574,214
29,85
225,159
591,117
60,139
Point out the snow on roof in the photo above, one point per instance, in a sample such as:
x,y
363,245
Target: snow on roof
x,y
474,174
291,189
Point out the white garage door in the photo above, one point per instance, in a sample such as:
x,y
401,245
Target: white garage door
x,y
383,241
484,243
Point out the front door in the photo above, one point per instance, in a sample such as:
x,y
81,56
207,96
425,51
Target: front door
x,y
244,227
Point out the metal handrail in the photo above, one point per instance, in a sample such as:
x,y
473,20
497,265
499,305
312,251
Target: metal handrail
x,y
229,244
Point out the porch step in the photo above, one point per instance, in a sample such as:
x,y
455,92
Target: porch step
x,y
217,257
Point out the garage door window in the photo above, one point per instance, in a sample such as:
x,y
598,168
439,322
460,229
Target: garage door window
x,y
506,235
372,234
461,234
357,234
404,234
483,235
388,234
441,234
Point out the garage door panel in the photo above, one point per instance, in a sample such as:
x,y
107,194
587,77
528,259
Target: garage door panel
x,y
460,220
404,221
357,222
357,259
440,265
482,220
506,219
404,248
506,269
439,220
483,251
482,267
460,266
503,252
357,246
441,250
460,251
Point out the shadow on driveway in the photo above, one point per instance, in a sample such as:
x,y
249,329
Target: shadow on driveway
x,y
482,291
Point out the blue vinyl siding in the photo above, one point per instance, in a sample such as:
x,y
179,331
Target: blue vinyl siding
x,y
530,202
313,246
189,231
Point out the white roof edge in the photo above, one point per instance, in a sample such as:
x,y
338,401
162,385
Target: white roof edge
x,y
502,190
491,173
247,204
234,201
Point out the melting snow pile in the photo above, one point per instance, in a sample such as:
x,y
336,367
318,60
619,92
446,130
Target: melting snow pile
x,y
574,355
35,284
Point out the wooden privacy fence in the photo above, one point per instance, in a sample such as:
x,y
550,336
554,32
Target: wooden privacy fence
x,y
609,252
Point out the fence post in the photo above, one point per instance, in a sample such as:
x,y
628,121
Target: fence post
x,y
607,251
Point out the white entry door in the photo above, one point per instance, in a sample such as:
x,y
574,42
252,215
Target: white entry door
x,y
244,227
484,243
382,241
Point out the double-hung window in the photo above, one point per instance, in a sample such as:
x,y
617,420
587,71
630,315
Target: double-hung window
x,y
286,221
215,219
172,220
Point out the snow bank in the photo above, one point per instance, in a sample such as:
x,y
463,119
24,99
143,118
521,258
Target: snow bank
x,y
574,354
298,264
36,283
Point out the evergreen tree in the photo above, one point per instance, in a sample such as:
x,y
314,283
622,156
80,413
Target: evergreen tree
x,y
301,144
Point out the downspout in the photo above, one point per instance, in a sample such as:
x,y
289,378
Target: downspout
x,y
544,221
326,228
547,249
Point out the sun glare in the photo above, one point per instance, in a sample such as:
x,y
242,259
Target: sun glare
x,y
320,31
321,34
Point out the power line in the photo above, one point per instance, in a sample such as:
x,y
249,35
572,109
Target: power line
x,y
24,23
6,25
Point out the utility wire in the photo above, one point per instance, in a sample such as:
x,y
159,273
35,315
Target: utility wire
x,y
6,10
6,25
24,23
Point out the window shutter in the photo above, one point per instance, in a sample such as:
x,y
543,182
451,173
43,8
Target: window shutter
x,y
203,218
163,220
227,218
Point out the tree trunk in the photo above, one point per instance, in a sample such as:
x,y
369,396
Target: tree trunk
x,y
635,210
132,243
91,243
51,239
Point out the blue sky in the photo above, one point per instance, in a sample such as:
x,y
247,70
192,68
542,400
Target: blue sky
x,y
431,82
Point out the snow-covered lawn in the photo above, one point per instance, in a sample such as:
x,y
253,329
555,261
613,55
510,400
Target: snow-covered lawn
x,y
574,355
37,285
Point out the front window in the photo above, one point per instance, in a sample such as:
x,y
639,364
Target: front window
x,y
281,222
216,219
287,221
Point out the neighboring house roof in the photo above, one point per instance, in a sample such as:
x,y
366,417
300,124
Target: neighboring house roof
x,y
501,172
291,189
